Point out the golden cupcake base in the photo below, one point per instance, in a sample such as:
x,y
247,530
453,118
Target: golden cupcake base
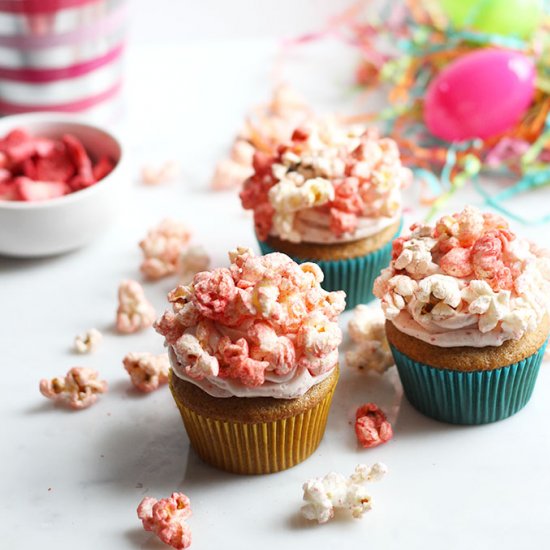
x,y
259,435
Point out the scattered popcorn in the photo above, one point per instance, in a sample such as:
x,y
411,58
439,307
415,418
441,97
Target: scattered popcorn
x,y
134,311
155,175
147,371
39,168
265,127
264,316
370,349
339,173
324,495
469,273
166,519
78,389
371,426
88,342
162,248
191,261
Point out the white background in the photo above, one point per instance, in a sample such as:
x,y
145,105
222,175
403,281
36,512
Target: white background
x,y
74,479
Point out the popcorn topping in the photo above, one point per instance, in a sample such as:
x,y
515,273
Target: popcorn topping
x,y
263,318
166,518
371,426
162,248
469,273
342,174
370,349
147,371
78,389
134,311
323,495
88,342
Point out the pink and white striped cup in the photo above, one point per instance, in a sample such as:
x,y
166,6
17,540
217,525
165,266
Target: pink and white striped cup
x,y
60,55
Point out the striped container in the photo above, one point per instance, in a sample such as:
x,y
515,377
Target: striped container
x,y
60,55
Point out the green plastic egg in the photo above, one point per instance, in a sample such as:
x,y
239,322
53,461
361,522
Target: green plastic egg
x,y
517,18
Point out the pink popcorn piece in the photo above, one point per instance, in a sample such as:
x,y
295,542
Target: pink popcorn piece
x,y
79,388
166,519
156,175
147,371
162,248
371,426
37,169
134,311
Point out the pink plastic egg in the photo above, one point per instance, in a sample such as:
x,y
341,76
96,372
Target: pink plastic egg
x,y
480,95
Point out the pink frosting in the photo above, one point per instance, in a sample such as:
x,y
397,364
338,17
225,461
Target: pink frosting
x,y
262,320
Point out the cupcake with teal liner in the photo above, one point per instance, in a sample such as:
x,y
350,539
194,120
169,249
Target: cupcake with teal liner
x,y
331,195
466,305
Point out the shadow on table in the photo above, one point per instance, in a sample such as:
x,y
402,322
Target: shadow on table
x,y
149,455
154,457
356,388
139,538
9,264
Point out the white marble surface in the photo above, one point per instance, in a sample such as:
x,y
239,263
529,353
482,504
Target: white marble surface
x,y
74,479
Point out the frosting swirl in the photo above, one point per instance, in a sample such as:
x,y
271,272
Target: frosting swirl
x,y
262,327
328,184
468,281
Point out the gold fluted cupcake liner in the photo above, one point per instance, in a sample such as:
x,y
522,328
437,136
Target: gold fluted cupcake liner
x,y
260,447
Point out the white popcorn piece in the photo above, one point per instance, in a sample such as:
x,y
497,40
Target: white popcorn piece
x,y
491,306
191,261
416,257
88,342
197,361
134,311
370,350
165,173
324,495
442,287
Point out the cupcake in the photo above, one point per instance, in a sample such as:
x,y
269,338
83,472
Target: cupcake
x,y
331,195
466,306
254,360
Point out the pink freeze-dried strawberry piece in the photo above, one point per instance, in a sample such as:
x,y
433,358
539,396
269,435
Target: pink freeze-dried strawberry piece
x,y
103,168
15,137
5,175
57,166
30,190
81,162
8,191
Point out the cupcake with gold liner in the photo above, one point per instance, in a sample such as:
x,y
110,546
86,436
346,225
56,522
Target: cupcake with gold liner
x,y
467,305
254,356
331,195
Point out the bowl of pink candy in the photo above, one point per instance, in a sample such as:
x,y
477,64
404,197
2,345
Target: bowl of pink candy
x,y
61,183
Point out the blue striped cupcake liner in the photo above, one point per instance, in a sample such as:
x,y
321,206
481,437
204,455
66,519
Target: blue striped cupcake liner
x,y
476,397
355,276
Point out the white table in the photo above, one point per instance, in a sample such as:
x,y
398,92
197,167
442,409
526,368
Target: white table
x,y
74,479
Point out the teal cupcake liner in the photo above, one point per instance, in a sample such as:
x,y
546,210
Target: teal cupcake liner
x,y
477,397
355,276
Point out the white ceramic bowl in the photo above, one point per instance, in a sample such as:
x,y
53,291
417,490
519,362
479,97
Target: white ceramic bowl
x,y
31,229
